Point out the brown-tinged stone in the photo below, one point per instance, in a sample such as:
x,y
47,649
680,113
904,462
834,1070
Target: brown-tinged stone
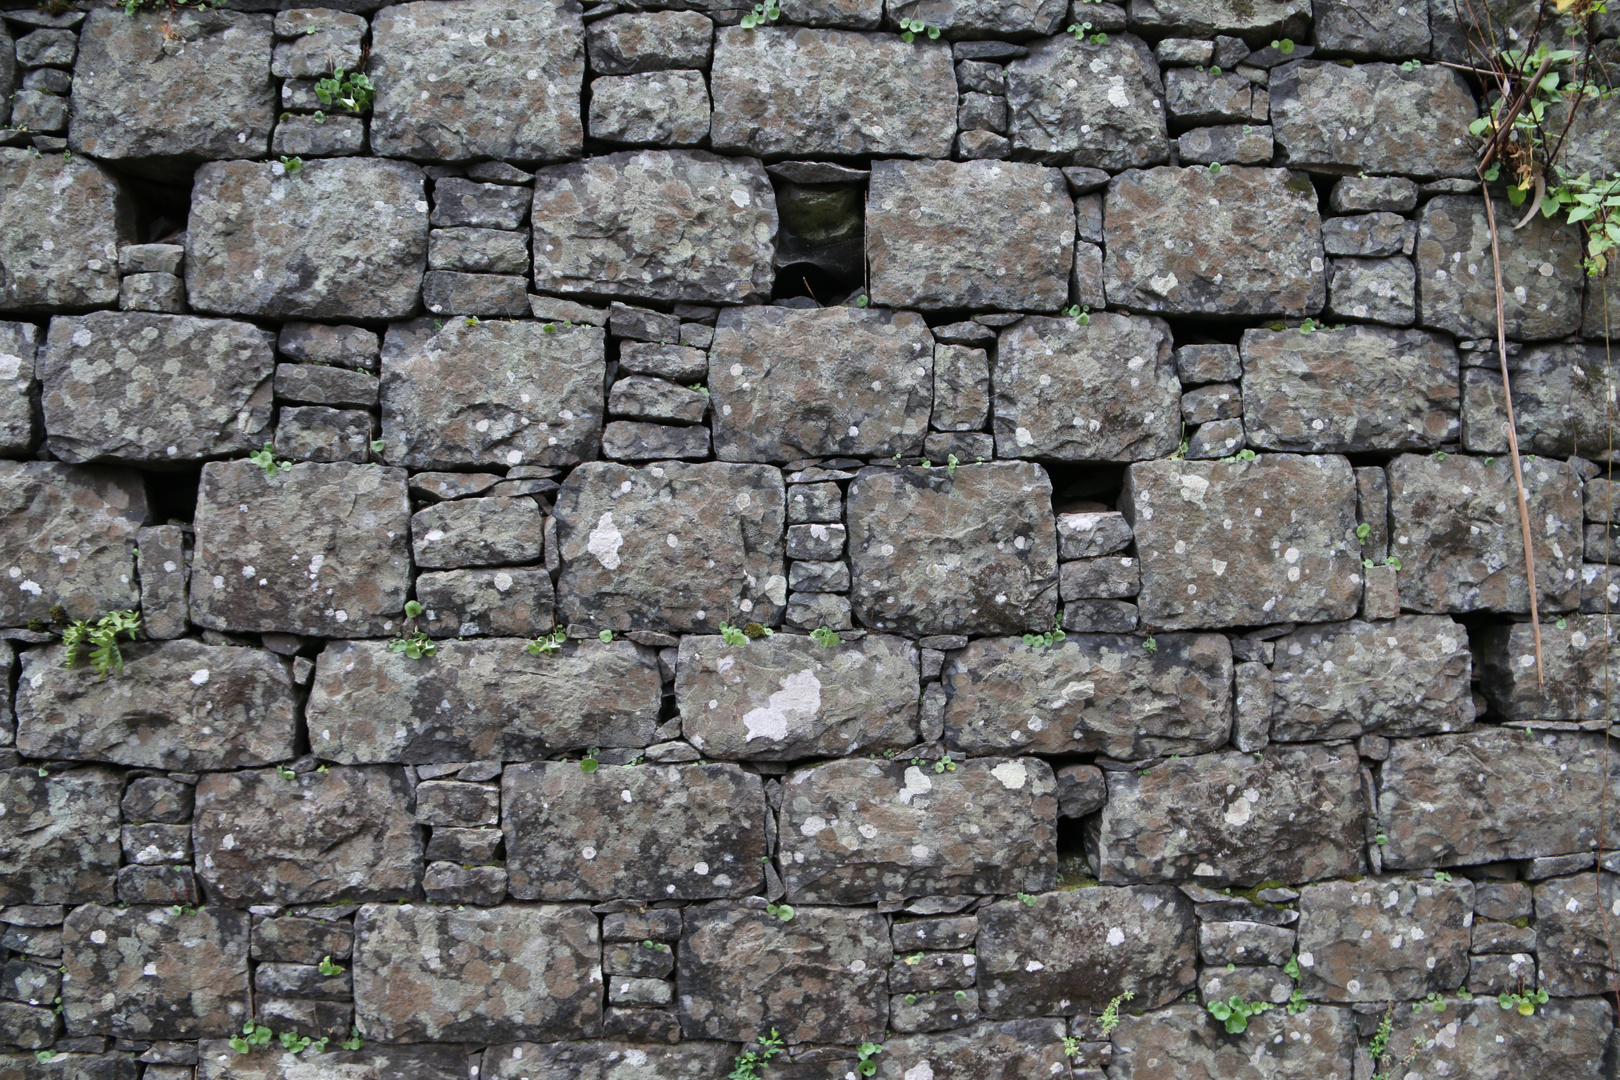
x,y
61,221
1480,1038
1571,935
1184,1042
992,1050
373,1061
1377,939
607,1059
513,602
1097,104
1573,681
67,534
1559,394
650,41
59,838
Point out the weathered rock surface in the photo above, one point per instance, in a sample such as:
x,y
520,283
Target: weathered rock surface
x,y
347,832
66,537
1092,693
1242,241
820,978
177,705
317,549
1294,815
975,234
1574,659
1072,952
1373,118
59,839
505,603
18,346
1479,1036
1455,528
494,531
462,79
671,546
787,697
1183,1042
152,973
607,1060
650,832
373,1061
1308,393
1242,18
855,831
1379,939
998,1050
666,108
1084,103
793,90
486,700
1558,403
543,965
1103,392
1570,935
61,221
650,41
656,224
1289,553
935,553
1460,800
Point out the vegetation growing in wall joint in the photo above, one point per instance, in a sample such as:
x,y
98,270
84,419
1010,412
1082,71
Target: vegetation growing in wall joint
x,y
102,637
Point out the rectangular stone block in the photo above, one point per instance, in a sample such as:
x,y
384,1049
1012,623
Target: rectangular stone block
x,y
293,940
1558,403
344,346
68,532
1379,939
480,700
1571,933
607,1059
1568,1038
859,831
477,532
373,1061
61,221
1090,103
317,433
513,602
1184,1041
1575,661
59,838
18,345
649,832
164,559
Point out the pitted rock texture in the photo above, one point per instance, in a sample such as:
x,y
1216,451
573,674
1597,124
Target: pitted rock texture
x,y
59,837
67,536
62,220
1379,939
1482,1036
1085,103
1247,19
606,1059
1572,684
1185,1043
1558,403
423,1061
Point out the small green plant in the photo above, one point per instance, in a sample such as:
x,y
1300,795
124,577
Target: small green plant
x,y
951,463
354,1041
1441,875
328,968
1296,1002
352,90
1109,1020
1525,1002
1562,623
605,636
758,630
825,637
1434,1003
945,764
961,995
1363,531
1050,637
377,446
1411,65
415,645
293,165
1150,643
1214,166
863,300
1291,969
286,772
184,909
253,1036
42,1056
589,763
1071,1046
1381,838
781,912
294,1043
749,1062
1079,30
266,459
732,635
910,28
471,320
864,1054
1027,899
1285,46
102,637
546,646
1080,313
1234,1012
769,11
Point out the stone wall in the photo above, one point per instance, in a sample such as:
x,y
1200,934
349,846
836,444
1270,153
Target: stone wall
x,y
793,528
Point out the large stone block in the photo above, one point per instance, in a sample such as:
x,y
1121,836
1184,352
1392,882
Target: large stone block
x,y
1072,952
974,234
787,697
67,536
1092,693
1480,1038
1103,392
790,384
479,975
178,705
136,86
793,90
671,546
1296,814
1375,118
1312,393
1571,935
153,389
318,549
217,1061
62,220
985,1051
348,832
1077,102
1407,676
155,973
1378,939
858,831
656,225
1576,660
1456,276
464,79
967,551
343,238
607,1059
1558,403
648,832
59,839
480,700
1245,542
65,1066
821,978
1493,794
1248,19
1455,528
492,394
1184,1042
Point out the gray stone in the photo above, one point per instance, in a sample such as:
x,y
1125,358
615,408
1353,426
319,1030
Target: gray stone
x,y
1379,233
31,983
1456,274
1382,938
977,145
61,221
1209,363
1359,194
39,111
1090,534
217,1061
459,203
820,978
982,111
360,227
492,394
155,389
650,41
1172,232
301,136
1558,402
18,346
965,446
48,80
991,1049
1117,578
855,832
1102,392
128,105
1185,1042
934,553
152,292
476,532
1227,144
1092,693
1495,938
1395,28
1268,984
1480,1038
976,234
656,225
1574,660
38,48
1243,943
59,840
316,433
787,697
457,804
344,833
1216,439
625,440
1083,103
1455,527
1570,930
1207,404
1296,814
300,941
315,53
1460,800
1412,122
152,973
481,251
913,1013
468,603
463,846
666,108
91,513
790,90
306,532
642,324
153,798
445,93
685,833
298,980
315,343
644,960
606,1060
620,571
677,363
1081,790
1071,952
504,703
318,384
812,611
1290,553
549,954
1205,18
450,292
1377,290
823,502
961,388
1207,97
447,883
815,541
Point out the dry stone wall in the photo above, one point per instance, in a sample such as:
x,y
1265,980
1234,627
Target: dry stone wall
x,y
788,528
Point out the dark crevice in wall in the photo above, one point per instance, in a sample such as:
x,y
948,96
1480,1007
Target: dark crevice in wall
x,y
162,204
171,495
1077,487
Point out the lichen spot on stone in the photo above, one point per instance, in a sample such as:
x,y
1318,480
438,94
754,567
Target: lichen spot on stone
x,y
605,541
1012,774
799,700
